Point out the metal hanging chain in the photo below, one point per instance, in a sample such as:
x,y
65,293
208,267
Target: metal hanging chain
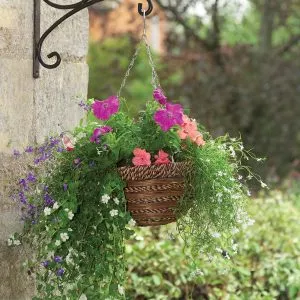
x,y
155,79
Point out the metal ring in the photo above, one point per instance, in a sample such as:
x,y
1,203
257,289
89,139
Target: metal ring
x,y
148,11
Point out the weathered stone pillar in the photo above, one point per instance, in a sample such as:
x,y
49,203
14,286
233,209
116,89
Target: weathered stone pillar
x,y
31,109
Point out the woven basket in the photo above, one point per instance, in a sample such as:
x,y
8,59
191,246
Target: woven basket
x,y
152,192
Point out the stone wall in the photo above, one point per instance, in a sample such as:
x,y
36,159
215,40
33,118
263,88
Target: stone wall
x,y
31,109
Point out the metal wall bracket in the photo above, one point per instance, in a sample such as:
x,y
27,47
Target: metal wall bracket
x,y
39,40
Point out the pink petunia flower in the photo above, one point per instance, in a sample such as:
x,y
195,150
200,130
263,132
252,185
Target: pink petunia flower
x,y
103,110
159,96
170,116
162,158
95,138
141,157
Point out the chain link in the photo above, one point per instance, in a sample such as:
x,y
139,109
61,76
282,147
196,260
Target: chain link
x,y
143,41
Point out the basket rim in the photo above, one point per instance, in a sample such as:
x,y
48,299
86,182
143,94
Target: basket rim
x,y
162,166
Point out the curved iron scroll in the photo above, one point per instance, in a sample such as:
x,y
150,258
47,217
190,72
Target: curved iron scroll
x,y
39,40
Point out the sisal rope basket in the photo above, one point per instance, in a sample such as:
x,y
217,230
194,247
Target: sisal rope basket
x,y
152,192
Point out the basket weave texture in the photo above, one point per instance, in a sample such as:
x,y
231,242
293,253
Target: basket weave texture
x,y
152,192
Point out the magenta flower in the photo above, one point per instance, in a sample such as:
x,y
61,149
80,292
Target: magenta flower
x,y
170,116
104,109
105,129
95,138
159,96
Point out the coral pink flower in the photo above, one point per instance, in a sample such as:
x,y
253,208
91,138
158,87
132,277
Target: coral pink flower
x,y
141,157
189,129
162,158
197,138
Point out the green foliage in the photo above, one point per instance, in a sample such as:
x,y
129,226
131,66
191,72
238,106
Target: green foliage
x,y
266,267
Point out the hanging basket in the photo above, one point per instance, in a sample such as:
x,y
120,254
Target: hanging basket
x,y
152,192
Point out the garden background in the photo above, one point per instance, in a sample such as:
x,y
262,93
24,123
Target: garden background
x,y
236,65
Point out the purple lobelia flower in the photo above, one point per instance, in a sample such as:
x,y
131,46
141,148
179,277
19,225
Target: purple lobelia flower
x,y
58,259
53,142
45,263
104,109
48,200
29,149
60,272
170,116
60,149
31,177
84,106
65,187
23,183
16,153
22,198
159,96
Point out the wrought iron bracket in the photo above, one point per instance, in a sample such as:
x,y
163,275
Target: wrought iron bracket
x,y
39,40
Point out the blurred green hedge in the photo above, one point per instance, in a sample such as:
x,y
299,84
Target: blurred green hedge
x,y
267,265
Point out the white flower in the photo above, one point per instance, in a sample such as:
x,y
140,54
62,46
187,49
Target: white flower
x,y
113,212
70,229
240,177
249,193
57,293
17,242
9,242
132,223
234,247
197,273
121,289
216,235
263,185
235,230
116,200
220,173
69,259
55,205
64,236
47,211
250,222
83,297
57,243
105,198
70,215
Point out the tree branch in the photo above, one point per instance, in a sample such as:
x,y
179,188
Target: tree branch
x,y
294,40
180,20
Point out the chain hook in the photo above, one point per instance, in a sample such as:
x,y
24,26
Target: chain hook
x,y
148,11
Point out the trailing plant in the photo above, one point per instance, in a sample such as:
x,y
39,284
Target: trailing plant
x,y
75,214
